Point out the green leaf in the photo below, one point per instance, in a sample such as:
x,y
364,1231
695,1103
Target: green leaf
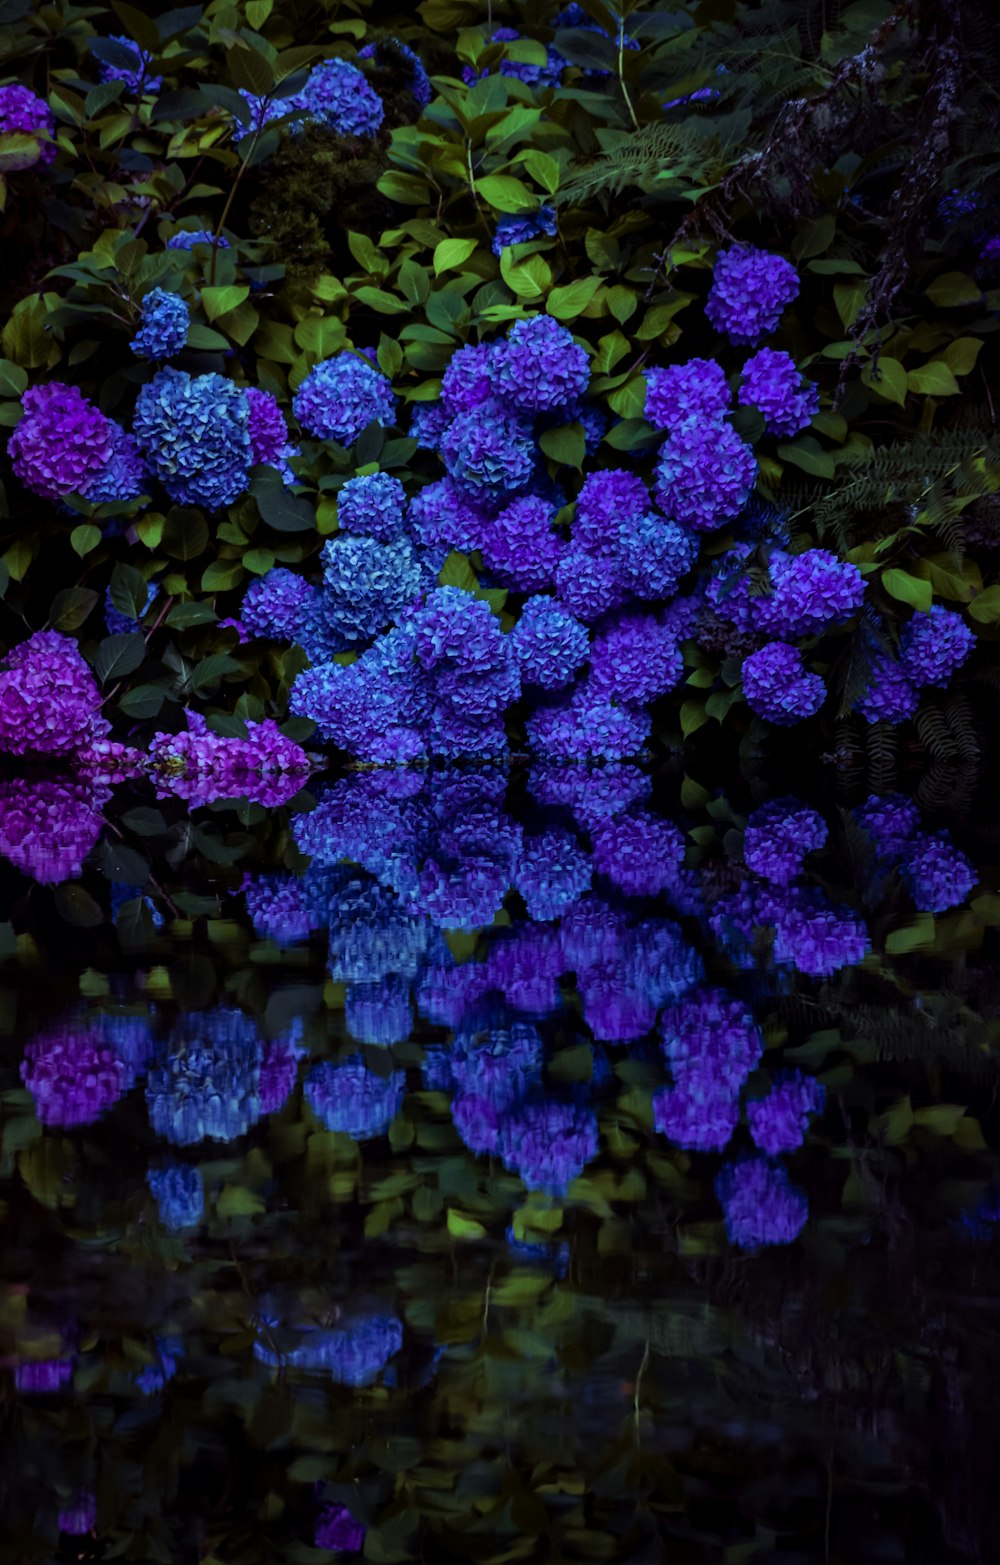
x,y
506,194
808,454
183,615
888,378
934,380
119,655
569,301
543,168
911,936
566,445
129,591
238,1201
71,607
185,533
78,907
258,561
249,70
451,253
461,1227
954,288
528,279
985,606
18,150
143,701
138,26
218,301
221,575
908,589
406,188
693,715
280,509
961,355
13,379
85,538
205,339
457,572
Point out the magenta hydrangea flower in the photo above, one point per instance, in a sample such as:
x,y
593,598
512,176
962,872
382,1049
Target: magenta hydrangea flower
x,y
202,767
48,825
49,699
266,427
772,384
750,289
62,442
73,1074
697,389
336,1529
778,1123
21,110
779,688
704,475
41,1377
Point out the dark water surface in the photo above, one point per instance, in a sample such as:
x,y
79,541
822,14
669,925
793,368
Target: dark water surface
x,y
395,1151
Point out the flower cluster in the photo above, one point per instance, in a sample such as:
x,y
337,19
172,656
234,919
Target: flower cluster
x,y
779,688
193,431
205,1085
933,647
135,73
523,228
62,443
750,290
50,704
74,1075
771,383
164,328
341,396
23,112
760,1204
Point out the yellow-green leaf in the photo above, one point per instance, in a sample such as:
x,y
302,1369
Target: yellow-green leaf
x,y
464,1227
218,301
450,253
934,380
506,194
888,378
908,589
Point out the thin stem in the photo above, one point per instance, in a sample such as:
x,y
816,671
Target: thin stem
x,y
244,165
621,73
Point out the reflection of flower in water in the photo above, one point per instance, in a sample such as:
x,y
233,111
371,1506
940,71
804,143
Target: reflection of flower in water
x,y
354,1100
206,1083
353,1356
778,1123
73,1073
178,1192
760,1204
80,1517
549,1144
48,825
336,1529
43,1375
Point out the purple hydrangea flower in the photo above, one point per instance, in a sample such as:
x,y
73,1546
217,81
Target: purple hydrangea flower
x,y
552,874
934,645
367,584
283,605
549,1144
760,1204
22,111
704,475
279,1069
639,853
341,396
164,328
488,452
62,442
653,555
608,503
194,432
201,766
772,384
442,517
634,659
710,1036
337,95
778,837
336,1529
126,475
540,366
547,75
354,1100
699,1115
428,422
938,875
778,1123
586,586
750,289
889,823
810,933
43,1376
812,592
73,1074
374,503
466,382
585,724
518,230
779,688
266,427
48,825
379,1014
550,645
50,703
891,697
81,1517
519,544
134,76
698,389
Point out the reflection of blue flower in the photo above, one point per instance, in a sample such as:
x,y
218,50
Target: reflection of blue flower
x,y
371,935
552,874
549,1144
354,1100
163,1368
760,1204
496,1062
354,1356
778,1122
206,1084
179,1194
380,1013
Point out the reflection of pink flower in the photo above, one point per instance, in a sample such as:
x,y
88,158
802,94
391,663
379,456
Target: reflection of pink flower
x,y
73,1075
337,1529
41,1375
81,1516
48,825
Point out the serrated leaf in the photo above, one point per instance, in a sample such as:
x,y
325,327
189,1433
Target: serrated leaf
x,y
506,194
118,655
129,591
71,607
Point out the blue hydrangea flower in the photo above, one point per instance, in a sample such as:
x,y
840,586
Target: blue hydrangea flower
x,y
337,95
889,822
547,75
588,585
891,697
367,584
760,1204
810,933
178,1192
372,936
750,290
187,238
934,645
193,431
699,1115
813,591
373,708
520,545
519,229
135,75
167,1350
428,422
937,874
778,836
374,503
495,1060
354,1100
549,1144
539,367
442,517
772,384
778,1123
552,874
379,1014
341,396
125,477
285,607
697,389
634,659
354,1355
653,555
779,688
488,452
164,329
709,1035
586,725
466,382
551,646
704,474
609,503
206,1084
639,853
